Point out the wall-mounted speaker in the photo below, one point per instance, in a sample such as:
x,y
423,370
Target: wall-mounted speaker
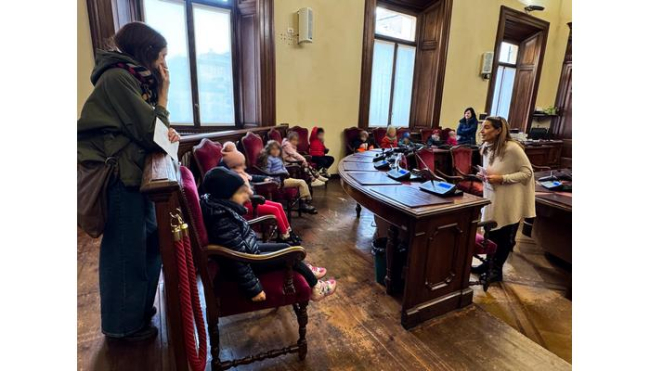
x,y
305,25
486,64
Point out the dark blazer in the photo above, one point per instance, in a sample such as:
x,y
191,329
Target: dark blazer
x,y
467,131
227,227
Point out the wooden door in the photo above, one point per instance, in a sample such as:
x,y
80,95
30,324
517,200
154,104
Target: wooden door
x,y
521,106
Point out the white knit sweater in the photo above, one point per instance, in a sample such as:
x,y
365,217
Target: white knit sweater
x,y
514,199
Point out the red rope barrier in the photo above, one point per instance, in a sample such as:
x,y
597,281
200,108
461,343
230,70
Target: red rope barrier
x,y
189,296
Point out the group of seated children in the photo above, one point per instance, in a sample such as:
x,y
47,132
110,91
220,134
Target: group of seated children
x,y
272,160
223,206
390,140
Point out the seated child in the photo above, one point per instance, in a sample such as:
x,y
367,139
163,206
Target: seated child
x,y
222,208
390,139
318,151
406,140
434,139
362,143
271,161
235,160
290,154
451,140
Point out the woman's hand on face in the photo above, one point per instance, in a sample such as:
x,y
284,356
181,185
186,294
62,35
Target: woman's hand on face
x,y
163,87
494,179
173,135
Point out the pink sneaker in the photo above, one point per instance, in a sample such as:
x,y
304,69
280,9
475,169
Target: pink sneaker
x,y
323,289
317,271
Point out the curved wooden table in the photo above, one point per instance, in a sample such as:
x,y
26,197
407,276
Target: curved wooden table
x,y
439,238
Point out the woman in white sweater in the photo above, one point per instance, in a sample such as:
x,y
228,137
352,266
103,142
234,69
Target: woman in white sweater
x,y
510,187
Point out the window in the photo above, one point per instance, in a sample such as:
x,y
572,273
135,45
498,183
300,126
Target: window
x,y
392,69
210,38
504,84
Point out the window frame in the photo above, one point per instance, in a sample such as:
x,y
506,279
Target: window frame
x,y
254,48
396,42
194,83
507,65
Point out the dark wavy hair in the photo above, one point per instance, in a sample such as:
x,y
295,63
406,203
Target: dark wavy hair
x,y
471,110
141,42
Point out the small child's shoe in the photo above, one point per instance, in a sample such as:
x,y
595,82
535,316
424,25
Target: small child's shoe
x,y
323,289
322,178
317,183
317,271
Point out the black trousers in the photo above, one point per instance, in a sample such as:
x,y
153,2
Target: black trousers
x,y
504,237
299,267
322,162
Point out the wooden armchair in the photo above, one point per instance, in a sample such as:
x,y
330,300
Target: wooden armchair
x,y
350,135
303,143
171,188
461,164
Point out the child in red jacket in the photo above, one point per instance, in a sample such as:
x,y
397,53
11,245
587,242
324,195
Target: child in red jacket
x,y
451,139
318,151
390,140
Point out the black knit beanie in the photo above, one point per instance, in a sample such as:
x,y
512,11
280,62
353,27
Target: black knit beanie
x,y
222,183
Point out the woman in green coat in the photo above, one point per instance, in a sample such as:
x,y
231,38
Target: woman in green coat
x,y
131,85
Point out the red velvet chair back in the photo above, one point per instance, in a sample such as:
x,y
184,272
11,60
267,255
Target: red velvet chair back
x,y
461,159
425,134
350,135
444,134
274,135
252,145
426,158
207,155
303,135
378,134
191,197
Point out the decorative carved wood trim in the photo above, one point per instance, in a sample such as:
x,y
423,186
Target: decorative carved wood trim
x,y
267,62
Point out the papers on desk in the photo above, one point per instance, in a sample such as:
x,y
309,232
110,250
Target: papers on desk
x,y
161,138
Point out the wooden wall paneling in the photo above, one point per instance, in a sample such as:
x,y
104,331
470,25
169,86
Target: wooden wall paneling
x,y
248,72
267,61
107,16
562,126
431,59
522,104
366,62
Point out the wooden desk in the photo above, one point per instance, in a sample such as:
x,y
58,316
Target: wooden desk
x,y
439,240
552,226
544,153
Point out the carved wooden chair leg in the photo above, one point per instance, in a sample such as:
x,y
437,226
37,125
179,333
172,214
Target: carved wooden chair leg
x,y
213,329
301,313
358,211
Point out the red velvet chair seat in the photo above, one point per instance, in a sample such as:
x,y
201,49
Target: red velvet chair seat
x,y
475,187
233,302
480,248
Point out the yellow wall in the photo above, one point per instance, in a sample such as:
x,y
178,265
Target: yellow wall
x,y
318,84
473,32
85,59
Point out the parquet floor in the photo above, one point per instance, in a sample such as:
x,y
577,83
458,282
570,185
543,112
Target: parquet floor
x,y
521,324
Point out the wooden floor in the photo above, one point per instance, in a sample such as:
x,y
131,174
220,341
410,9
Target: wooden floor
x,y
521,324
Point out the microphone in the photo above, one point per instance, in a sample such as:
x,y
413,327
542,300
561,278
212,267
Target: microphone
x,y
433,175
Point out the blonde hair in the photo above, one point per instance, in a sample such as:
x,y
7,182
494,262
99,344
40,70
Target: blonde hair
x,y
497,149
389,128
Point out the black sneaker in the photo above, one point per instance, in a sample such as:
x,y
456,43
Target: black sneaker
x,y
308,209
146,333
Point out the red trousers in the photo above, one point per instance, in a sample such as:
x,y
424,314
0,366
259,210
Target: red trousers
x,y
271,208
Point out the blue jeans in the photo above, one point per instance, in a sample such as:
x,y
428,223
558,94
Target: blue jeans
x,y
129,261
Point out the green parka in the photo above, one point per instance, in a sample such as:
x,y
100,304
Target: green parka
x,y
117,120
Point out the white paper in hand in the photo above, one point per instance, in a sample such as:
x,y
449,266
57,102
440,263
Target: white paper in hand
x,y
161,138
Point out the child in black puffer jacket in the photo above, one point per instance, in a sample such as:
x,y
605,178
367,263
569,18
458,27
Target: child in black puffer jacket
x,y
223,210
